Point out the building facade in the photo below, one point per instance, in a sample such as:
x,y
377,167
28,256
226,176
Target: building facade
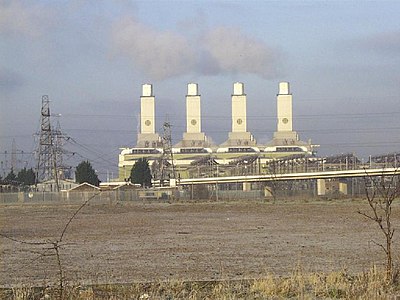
x,y
195,156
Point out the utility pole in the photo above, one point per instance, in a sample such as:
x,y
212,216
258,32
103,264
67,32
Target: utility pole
x,y
167,169
14,156
47,160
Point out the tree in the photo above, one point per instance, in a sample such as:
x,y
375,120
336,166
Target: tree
x,y
381,192
26,177
141,173
85,173
11,178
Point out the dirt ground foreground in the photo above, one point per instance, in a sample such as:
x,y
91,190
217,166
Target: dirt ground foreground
x,y
131,242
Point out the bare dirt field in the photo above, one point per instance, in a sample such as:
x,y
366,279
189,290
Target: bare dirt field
x,y
129,242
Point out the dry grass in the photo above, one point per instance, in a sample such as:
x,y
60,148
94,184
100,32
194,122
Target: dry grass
x,y
299,285
335,285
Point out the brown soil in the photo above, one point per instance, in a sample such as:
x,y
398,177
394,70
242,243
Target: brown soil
x,y
186,241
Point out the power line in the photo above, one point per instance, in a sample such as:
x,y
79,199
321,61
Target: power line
x,y
99,156
131,116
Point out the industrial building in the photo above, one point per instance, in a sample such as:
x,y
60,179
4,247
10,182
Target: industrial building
x,y
196,156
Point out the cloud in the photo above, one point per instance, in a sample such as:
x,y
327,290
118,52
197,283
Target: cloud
x,y
9,80
234,52
165,54
17,17
159,54
386,43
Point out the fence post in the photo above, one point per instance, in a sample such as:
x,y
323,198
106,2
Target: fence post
x,y
21,197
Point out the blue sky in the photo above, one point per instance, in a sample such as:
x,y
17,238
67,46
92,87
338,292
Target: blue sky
x,y
342,59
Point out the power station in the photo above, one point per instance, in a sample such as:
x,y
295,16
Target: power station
x,y
196,156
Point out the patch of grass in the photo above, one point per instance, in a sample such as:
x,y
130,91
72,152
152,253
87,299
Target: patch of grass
x,y
299,285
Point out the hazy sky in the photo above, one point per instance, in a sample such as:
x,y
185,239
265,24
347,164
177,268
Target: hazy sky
x,y
342,59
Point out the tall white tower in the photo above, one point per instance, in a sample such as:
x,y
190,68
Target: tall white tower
x,y
239,110
285,134
193,137
147,109
284,108
193,111
239,135
147,136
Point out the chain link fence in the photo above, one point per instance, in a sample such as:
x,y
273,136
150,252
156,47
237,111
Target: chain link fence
x,y
302,189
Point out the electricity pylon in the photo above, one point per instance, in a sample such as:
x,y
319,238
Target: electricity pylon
x,y
167,168
47,157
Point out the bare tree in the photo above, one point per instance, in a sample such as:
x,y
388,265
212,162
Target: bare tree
x,y
272,185
381,191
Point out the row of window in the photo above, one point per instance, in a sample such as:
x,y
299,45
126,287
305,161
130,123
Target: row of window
x,y
219,150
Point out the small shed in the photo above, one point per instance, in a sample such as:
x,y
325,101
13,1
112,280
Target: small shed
x,y
117,185
51,185
85,187
127,186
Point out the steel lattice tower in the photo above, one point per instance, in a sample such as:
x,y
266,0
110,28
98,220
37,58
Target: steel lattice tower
x,y
58,141
167,168
47,160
